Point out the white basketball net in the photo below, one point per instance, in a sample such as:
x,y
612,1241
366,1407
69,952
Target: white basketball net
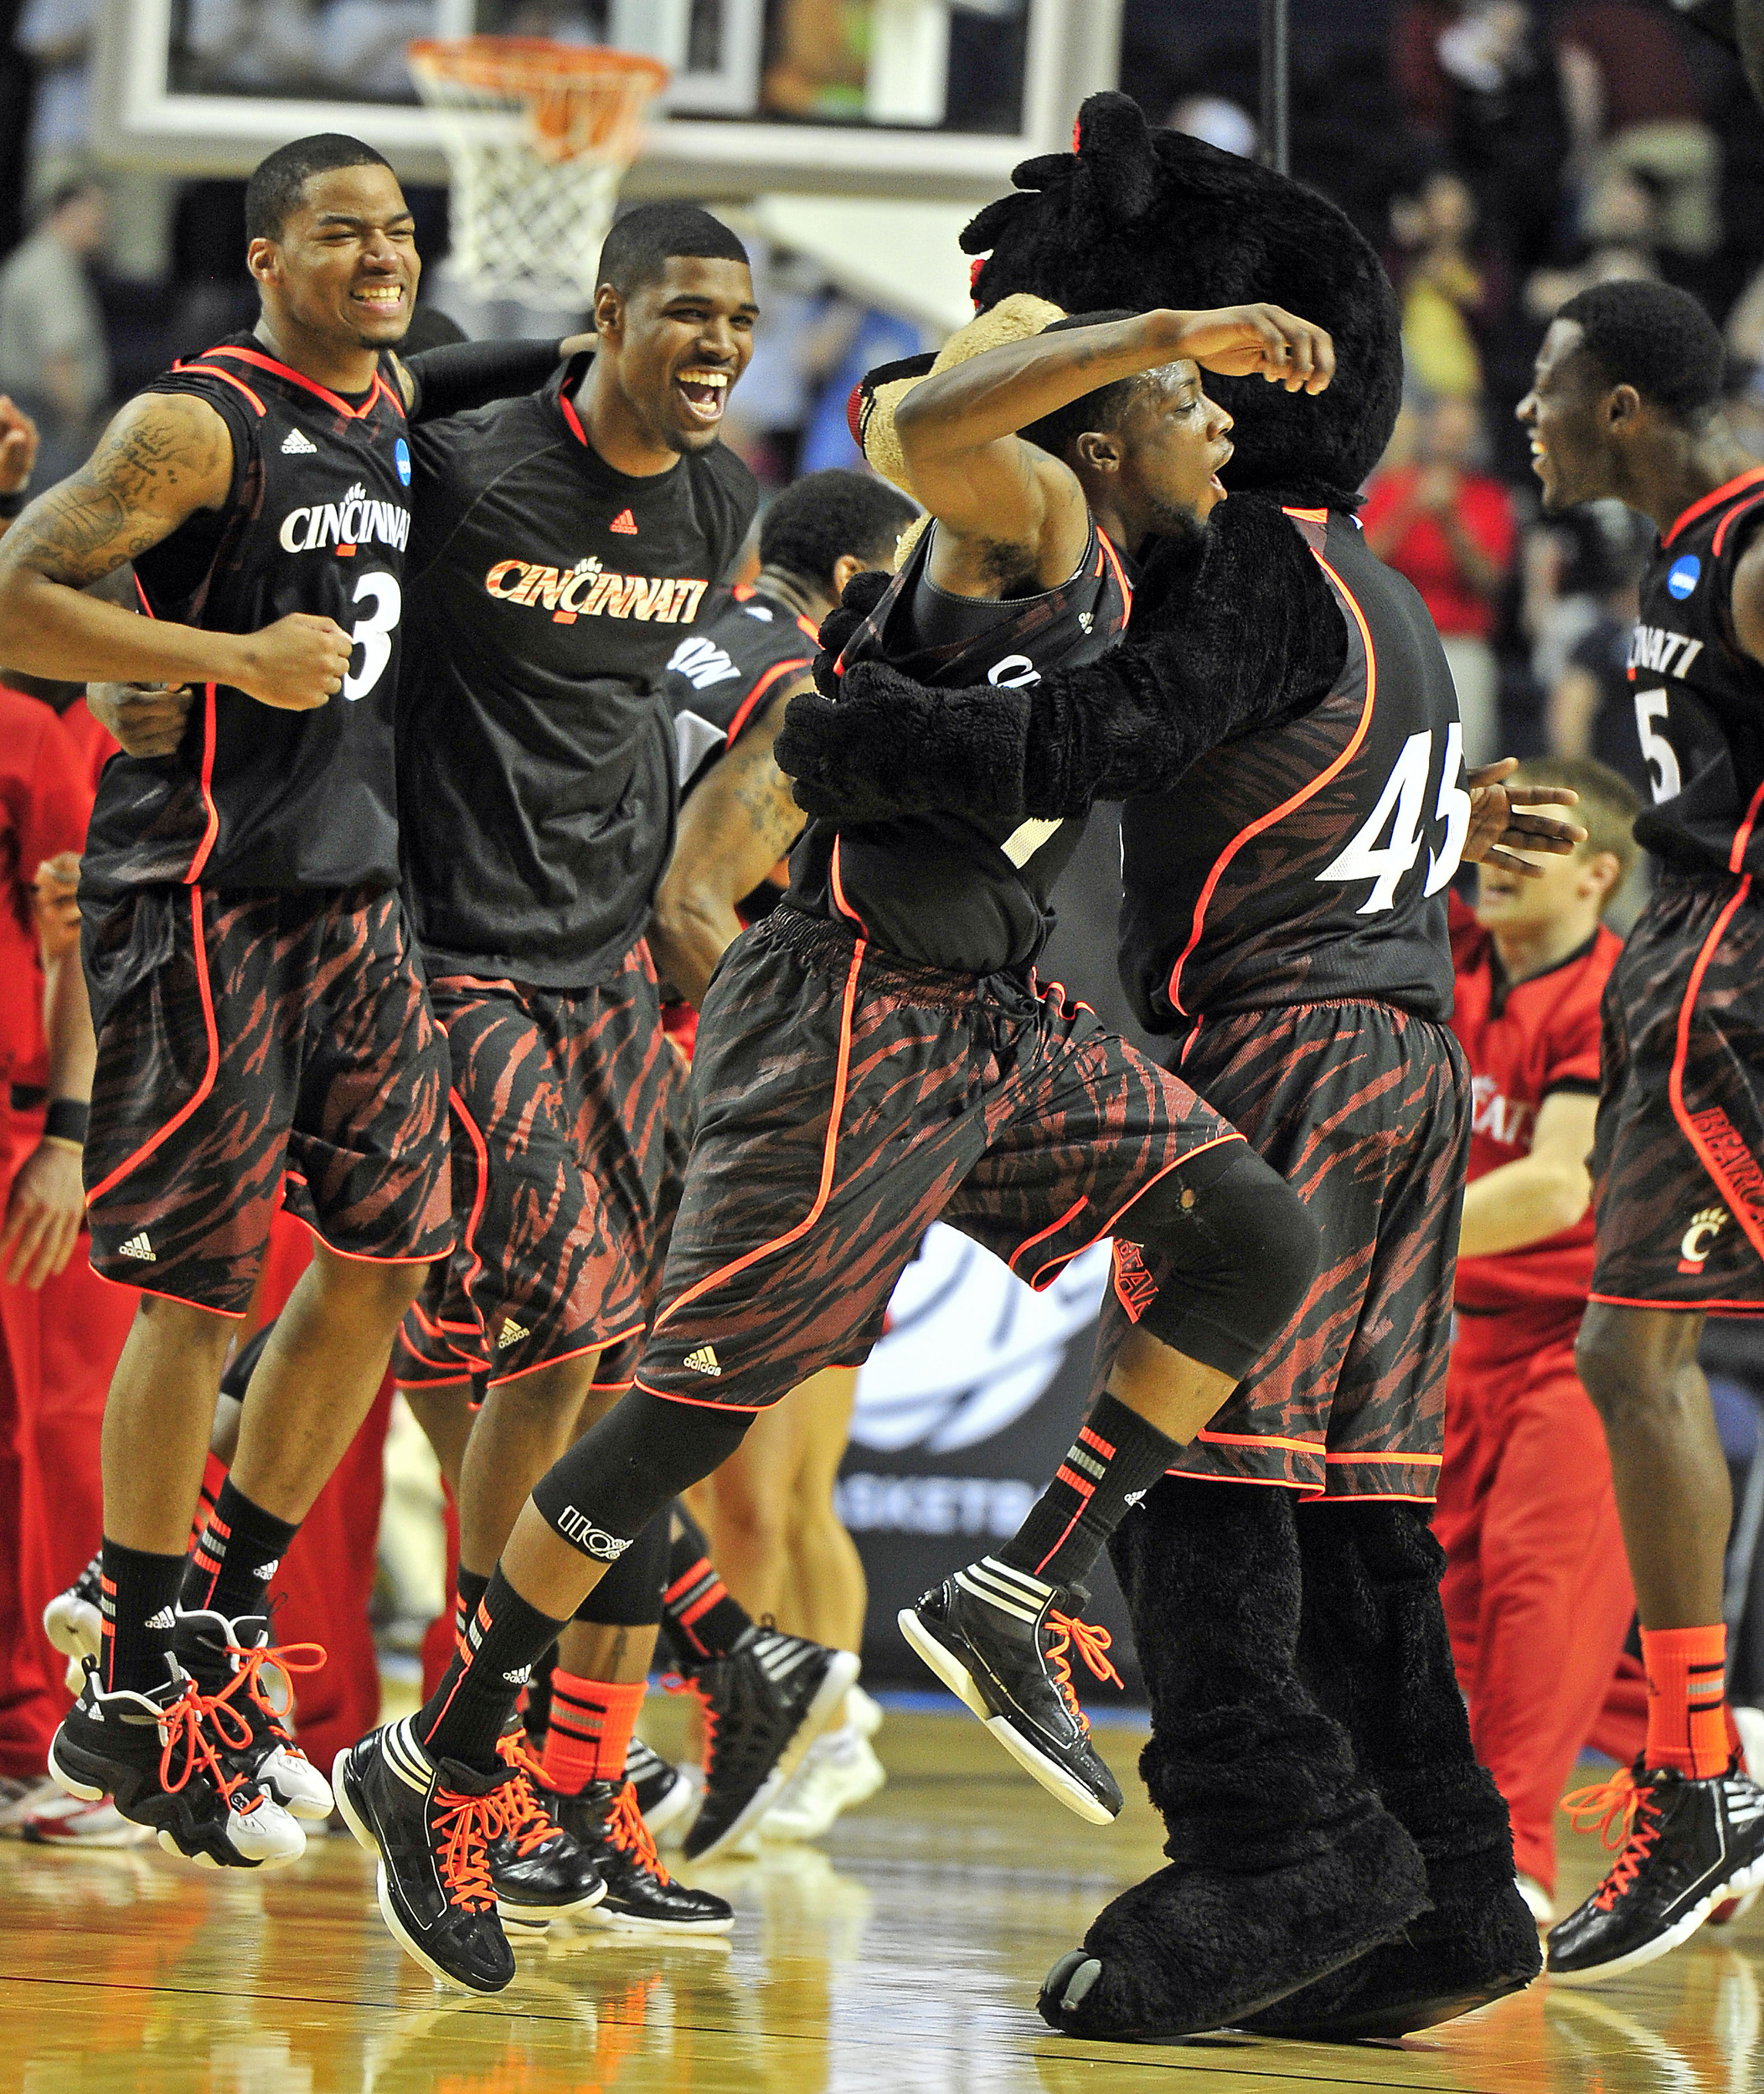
x,y
538,136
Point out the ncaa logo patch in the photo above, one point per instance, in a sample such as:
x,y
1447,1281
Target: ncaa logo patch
x,y
402,458
1683,577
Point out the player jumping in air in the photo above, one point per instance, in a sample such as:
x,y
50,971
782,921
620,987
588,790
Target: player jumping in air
x,y
1625,403
878,1052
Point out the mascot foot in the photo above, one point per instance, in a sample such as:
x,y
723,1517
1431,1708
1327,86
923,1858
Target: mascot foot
x,y
1192,1949
1469,1951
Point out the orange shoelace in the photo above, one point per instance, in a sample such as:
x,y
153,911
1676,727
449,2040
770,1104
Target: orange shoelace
x,y
524,1819
460,1831
188,1724
247,1682
1626,1816
1092,1643
676,1683
626,1831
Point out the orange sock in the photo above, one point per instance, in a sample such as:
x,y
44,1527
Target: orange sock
x,y
590,1733
1687,1707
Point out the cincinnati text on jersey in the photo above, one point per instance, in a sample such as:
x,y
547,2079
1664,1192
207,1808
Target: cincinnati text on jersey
x,y
354,521
1505,1120
589,590
1654,648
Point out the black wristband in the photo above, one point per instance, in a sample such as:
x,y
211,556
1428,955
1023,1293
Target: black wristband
x,y
66,1120
12,505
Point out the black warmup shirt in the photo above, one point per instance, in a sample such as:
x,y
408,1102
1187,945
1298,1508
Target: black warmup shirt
x,y
748,645
943,890
1309,862
536,748
315,520
1699,701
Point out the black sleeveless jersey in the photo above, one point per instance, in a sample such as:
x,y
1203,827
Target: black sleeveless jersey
x,y
1309,862
1699,701
724,674
315,520
943,890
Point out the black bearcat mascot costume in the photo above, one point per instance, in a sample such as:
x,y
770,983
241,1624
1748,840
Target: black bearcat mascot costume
x,y
1338,1864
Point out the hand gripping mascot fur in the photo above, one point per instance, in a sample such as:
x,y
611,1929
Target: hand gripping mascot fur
x,y
1340,1866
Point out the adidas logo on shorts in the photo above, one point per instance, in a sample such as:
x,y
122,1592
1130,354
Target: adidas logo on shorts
x,y
137,1246
512,1332
704,1361
295,445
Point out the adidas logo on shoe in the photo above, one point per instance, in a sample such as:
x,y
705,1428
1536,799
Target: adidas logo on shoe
x,y
296,445
512,1333
704,1361
625,523
137,1246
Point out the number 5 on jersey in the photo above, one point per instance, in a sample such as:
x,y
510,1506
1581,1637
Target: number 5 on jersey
x,y
373,634
1388,842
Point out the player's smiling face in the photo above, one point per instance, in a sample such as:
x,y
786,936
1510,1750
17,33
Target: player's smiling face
x,y
685,336
345,267
1175,444
1570,453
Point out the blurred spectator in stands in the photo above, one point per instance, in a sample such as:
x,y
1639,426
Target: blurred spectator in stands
x,y
869,336
801,330
1633,110
57,37
1569,565
1473,80
53,358
1451,530
1591,704
1744,411
1451,292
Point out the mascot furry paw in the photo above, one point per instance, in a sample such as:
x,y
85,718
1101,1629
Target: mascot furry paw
x,y
1340,1866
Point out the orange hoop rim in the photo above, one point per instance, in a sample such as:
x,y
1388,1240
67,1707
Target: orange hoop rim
x,y
531,65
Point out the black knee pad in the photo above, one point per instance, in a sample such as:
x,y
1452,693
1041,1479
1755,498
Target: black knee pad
x,y
629,1594
1233,1251
620,1475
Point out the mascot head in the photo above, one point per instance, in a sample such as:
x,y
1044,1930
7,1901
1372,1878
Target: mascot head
x,y
1137,218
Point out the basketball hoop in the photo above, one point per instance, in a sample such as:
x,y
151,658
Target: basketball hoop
x,y
539,135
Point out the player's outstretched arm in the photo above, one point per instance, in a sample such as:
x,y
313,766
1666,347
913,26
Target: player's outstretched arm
x,y
1500,825
163,458
734,829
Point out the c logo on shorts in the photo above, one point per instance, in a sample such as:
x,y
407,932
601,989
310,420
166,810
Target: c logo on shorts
x,y
1699,1236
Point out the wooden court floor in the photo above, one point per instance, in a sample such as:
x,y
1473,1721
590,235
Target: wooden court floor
x,y
904,1955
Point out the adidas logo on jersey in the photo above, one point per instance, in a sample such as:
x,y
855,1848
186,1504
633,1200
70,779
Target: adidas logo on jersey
x,y
512,1333
625,523
137,1246
296,445
704,1361
586,591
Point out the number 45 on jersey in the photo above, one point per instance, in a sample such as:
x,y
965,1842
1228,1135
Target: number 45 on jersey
x,y
1388,841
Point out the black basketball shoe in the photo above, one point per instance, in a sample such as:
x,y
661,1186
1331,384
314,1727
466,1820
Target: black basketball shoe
x,y
430,1821
999,1638
663,1793
765,1704
165,1759
74,1624
604,1822
1686,1845
539,1872
228,1661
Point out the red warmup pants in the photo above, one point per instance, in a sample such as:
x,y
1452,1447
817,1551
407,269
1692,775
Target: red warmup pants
x,y
59,1348
1536,1590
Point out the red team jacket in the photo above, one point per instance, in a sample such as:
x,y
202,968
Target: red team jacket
x,y
1522,1043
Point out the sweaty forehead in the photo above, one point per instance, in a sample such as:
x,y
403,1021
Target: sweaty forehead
x,y
1165,383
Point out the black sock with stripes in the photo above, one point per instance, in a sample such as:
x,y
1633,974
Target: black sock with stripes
x,y
1115,1458
699,1618
468,1589
137,1603
470,1710
240,1550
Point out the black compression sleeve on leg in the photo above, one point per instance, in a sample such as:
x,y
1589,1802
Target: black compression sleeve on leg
x,y
629,1594
1233,1250
616,1479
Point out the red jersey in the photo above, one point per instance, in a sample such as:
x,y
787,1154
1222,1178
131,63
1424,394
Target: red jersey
x,y
1423,552
94,745
1524,1041
45,803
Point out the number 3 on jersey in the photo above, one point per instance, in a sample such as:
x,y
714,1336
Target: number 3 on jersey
x,y
373,634
1388,842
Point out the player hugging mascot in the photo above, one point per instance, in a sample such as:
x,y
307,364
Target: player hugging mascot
x,y
1340,1866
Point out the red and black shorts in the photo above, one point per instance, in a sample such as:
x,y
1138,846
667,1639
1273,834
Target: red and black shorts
x,y
570,1127
252,1046
1364,1110
845,1099
1677,1188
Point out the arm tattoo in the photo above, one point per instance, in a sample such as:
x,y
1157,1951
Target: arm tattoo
x,y
763,796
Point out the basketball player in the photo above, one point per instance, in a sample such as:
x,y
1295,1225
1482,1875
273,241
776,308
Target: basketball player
x,y
257,1005
847,1094
1625,402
